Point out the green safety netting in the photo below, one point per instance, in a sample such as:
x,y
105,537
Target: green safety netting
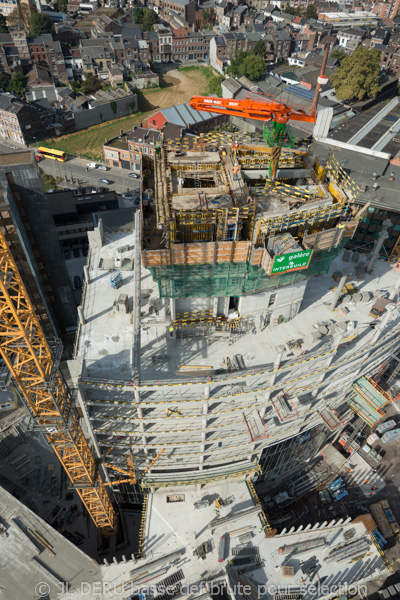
x,y
232,279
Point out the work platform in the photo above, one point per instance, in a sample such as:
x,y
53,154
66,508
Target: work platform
x,y
182,545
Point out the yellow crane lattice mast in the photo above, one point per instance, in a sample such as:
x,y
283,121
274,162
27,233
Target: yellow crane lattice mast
x,y
28,356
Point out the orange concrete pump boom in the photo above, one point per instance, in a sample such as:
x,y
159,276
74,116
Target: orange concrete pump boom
x,y
249,108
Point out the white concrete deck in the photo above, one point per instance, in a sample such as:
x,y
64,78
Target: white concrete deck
x,y
173,526
106,340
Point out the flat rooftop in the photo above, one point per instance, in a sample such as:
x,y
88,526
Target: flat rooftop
x,y
30,568
377,128
16,158
106,340
167,532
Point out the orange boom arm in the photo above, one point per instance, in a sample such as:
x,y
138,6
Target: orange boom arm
x,y
261,110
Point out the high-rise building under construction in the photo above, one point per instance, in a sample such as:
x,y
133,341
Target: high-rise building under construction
x,y
225,330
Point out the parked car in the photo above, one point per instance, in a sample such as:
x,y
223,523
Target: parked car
x,y
76,252
133,175
77,282
101,189
128,197
107,181
91,165
102,167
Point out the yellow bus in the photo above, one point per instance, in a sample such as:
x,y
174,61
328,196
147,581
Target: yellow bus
x,y
54,154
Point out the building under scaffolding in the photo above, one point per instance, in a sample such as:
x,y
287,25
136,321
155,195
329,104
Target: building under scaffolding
x,y
213,327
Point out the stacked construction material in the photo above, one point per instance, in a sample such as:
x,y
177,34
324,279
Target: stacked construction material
x,y
349,550
283,244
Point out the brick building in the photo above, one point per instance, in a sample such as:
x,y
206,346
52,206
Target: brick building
x,y
19,121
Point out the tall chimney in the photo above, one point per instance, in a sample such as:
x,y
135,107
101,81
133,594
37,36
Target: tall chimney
x,y
322,80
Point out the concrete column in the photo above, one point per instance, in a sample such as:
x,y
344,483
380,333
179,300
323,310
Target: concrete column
x,y
321,378
207,392
384,234
396,288
82,319
87,274
137,395
264,408
172,308
339,290
226,306
277,362
381,326
140,412
215,308
204,426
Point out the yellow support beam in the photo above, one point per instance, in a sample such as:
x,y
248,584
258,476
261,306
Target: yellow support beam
x,y
29,358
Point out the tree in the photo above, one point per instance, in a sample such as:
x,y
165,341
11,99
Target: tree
x,y
4,81
235,67
17,85
248,65
3,24
40,23
253,67
339,54
90,85
311,12
293,11
260,49
138,14
149,19
214,85
62,5
358,75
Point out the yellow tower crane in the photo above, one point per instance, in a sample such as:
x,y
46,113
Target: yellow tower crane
x,y
36,375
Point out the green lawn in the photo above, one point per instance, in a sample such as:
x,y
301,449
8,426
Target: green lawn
x,y
175,88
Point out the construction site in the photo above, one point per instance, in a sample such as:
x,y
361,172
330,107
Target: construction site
x,y
227,344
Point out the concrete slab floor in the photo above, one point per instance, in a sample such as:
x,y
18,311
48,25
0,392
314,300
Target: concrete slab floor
x,y
173,523
364,476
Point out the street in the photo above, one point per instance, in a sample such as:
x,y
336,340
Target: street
x,y
74,173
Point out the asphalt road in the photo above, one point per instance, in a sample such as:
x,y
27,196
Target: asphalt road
x,y
74,173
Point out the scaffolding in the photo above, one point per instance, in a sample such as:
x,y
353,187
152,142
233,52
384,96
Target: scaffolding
x,y
368,400
232,279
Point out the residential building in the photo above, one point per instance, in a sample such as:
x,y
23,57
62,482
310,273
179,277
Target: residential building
x,y
186,8
40,84
19,121
164,49
187,45
44,51
347,36
218,53
282,42
386,10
